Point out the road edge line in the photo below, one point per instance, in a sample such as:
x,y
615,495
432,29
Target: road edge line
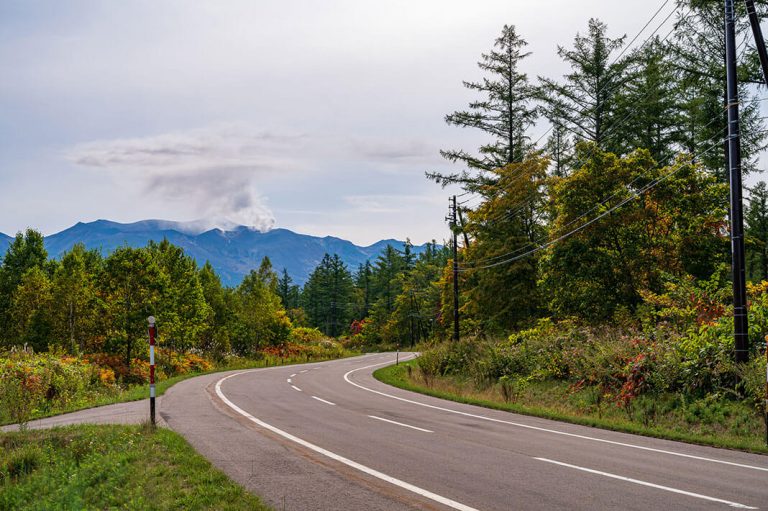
x,y
329,454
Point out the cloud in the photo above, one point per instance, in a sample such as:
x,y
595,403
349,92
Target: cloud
x,y
393,149
213,171
387,204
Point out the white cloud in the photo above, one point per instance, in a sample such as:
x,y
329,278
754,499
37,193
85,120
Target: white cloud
x,y
215,170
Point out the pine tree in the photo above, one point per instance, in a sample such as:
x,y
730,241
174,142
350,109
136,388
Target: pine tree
x,y
585,102
697,55
505,112
329,295
649,107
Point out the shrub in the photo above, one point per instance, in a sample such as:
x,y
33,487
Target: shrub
x,y
305,335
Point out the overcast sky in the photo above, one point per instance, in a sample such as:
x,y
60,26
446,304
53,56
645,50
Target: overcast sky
x,y
316,116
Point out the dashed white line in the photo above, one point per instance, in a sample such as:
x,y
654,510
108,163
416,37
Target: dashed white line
x,y
293,375
400,424
546,430
358,466
651,485
289,380
304,371
296,388
323,401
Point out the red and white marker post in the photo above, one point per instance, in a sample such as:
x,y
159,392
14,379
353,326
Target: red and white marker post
x,y
151,321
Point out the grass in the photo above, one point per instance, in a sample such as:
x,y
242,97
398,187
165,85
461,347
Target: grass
x,y
717,423
138,392
80,467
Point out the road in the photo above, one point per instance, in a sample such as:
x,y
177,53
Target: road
x,y
328,436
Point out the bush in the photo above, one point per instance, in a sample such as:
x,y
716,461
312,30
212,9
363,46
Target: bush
x,y
305,335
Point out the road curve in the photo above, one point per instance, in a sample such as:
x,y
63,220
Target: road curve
x,y
328,436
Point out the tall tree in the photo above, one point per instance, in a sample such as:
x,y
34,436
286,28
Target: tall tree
x,y
364,284
585,101
505,227
649,105
697,57
329,296
259,317
504,112
75,306
610,257
181,309
30,310
215,336
559,148
288,291
25,252
131,285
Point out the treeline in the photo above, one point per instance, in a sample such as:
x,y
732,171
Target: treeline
x,y
626,197
84,302
392,300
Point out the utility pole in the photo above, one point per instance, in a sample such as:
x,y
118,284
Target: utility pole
x,y
741,338
452,218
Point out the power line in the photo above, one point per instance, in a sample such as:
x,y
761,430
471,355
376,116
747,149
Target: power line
x,y
633,196
610,131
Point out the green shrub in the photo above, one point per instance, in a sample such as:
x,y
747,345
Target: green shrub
x,y
19,462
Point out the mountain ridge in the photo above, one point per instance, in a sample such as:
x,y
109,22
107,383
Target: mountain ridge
x,y
233,252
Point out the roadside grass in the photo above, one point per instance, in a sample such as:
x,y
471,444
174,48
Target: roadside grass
x,y
112,467
716,423
105,397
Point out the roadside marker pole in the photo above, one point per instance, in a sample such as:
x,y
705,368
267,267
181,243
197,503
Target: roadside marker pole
x,y
151,321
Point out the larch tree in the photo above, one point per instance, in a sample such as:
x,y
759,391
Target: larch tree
x,y
504,111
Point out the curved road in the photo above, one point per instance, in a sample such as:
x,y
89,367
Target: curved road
x,y
328,436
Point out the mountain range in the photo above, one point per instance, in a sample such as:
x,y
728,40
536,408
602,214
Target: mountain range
x,y
233,253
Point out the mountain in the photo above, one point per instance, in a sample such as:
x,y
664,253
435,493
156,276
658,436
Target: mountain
x,y
4,242
232,253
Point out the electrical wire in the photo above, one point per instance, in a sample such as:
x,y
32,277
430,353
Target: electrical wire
x,y
633,196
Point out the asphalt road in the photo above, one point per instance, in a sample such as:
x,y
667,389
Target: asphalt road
x,y
329,436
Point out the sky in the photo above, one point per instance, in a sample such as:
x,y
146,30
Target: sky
x,y
316,116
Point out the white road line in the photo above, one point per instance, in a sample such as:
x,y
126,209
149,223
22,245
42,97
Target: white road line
x,y
296,388
358,466
304,371
289,380
293,375
323,401
400,424
651,485
546,430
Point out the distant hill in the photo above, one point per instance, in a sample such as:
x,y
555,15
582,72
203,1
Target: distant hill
x,y
232,253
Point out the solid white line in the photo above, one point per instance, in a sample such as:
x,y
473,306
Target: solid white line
x,y
362,468
651,485
296,388
323,401
289,380
546,430
400,424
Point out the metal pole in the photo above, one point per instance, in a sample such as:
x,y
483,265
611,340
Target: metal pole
x,y
455,272
741,339
759,41
151,321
